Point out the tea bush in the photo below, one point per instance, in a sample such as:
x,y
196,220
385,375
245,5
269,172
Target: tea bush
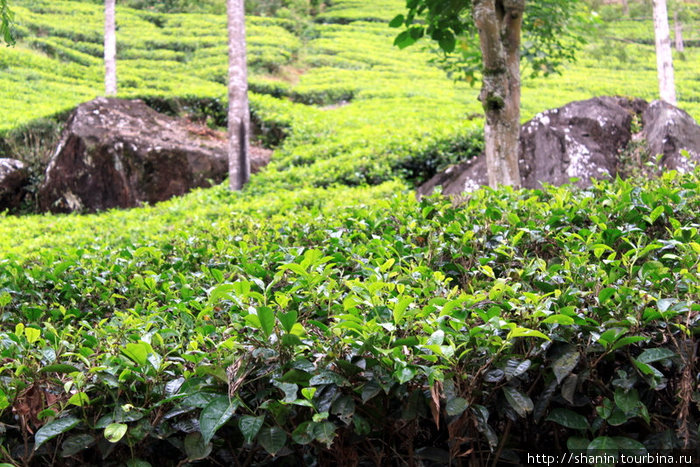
x,y
323,314
515,319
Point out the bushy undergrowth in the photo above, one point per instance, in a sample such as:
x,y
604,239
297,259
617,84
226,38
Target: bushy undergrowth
x,y
369,329
324,315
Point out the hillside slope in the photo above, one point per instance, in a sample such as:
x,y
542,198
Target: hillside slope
x,y
323,315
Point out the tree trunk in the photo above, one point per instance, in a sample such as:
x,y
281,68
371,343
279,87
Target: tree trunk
x,y
110,49
678,35
499,23
664,60
238,113
625,8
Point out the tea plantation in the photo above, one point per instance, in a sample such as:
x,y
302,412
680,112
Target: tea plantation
x,y
323,315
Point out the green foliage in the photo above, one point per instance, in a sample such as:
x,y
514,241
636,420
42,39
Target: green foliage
x,y
324,310
6,19
293,334
552,31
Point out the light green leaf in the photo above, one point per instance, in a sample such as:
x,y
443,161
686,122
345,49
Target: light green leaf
x,y
436,338
138,352
559,319
79,399
115,431
33,334
400,309
267,320
220,291
525,332
656,213
288,320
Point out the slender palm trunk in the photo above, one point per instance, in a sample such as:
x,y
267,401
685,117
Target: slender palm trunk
x,y
664,59
110,49
238,113
499,23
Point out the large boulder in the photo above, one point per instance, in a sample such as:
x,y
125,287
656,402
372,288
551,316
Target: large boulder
x,y
118,153
14,176
668,130
581,140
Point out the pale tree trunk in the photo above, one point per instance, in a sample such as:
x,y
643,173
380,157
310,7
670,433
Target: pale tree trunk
x,y
499,23
625,8
110,51
664,60
238,113
678,35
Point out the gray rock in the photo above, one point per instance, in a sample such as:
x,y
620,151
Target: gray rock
x,y
118,153
14,176
668,130
581,140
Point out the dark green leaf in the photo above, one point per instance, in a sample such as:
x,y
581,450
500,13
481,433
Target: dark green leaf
x,y
397,21
568,419
447,42
324,432
520,402
456,406
214,416
618,417
628,401
272,439
606,294
482,416
250,426
304,433
565,364
603,446
627,341
654,355
74,444
196,448
404,39
53,429
577,444
630,446
59,368
515,368
290,391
